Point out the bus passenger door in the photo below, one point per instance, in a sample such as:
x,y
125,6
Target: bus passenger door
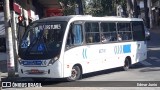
x,y
73,48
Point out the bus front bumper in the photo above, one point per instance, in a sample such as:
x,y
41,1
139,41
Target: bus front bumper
x,y
52,71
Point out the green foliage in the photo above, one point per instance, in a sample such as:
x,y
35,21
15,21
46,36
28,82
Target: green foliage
x,y
68,6
93,7
103,7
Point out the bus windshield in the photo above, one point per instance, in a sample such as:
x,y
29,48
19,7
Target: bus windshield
x,y
42,40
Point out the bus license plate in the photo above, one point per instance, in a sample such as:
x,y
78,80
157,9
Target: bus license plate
x,y
35,71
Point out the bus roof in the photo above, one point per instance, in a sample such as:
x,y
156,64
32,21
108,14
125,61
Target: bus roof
x,y
88,18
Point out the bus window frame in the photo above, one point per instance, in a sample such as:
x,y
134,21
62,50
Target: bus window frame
x,y
115,31
98,22
128,31
142,28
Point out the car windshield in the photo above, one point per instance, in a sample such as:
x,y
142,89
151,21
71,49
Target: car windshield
x,y
42,40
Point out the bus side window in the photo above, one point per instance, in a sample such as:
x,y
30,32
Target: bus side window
x,y
75,36
108,32
92,32
124,31
138,31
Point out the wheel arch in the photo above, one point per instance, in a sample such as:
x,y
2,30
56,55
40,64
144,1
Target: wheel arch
x,y
80,66
129,59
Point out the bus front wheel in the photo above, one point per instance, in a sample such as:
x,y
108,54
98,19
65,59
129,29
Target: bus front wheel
x,y
75,74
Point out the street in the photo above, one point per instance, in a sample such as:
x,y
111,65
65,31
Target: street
x,y
148,70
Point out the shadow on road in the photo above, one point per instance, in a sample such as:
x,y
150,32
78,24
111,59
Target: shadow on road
x,y
150,69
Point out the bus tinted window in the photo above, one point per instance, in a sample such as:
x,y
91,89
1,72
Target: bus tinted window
x,y
138,31
124,31
108,30
75,36
92,32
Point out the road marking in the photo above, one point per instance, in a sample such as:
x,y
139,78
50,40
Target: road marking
x,y
153,57
145,63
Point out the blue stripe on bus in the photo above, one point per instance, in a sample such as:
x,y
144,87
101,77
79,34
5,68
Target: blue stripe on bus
x,y
127,48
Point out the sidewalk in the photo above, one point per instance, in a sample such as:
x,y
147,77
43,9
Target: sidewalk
x,y
3,65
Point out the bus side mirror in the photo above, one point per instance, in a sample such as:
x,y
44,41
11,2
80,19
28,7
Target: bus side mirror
x,y
147,34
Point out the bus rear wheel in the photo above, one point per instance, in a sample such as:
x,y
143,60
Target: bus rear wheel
x,y
75,74
127,64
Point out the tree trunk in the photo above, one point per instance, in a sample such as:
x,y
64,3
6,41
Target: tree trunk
x,y
80,7
146,14
130,8
135,13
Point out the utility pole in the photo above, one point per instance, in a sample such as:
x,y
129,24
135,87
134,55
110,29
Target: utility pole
x,y
150,13
9,40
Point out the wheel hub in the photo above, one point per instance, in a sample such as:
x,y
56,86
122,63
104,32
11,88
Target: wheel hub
x,y
73,74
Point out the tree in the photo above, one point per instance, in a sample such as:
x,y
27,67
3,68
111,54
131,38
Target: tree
x,y
94,8
146,14
135,9
103,7
69,6
129,8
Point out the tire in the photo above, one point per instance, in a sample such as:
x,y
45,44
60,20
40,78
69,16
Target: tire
x,y
75,74
126,64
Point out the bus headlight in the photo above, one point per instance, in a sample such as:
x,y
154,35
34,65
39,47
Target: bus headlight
x,y
52,61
